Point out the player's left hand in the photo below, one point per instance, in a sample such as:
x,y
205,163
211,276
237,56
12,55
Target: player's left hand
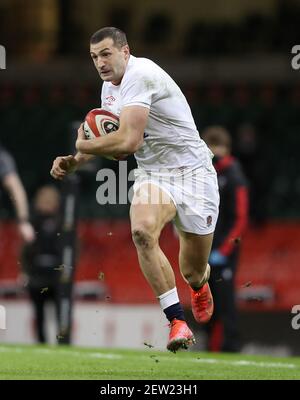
x,y
217,258
80,138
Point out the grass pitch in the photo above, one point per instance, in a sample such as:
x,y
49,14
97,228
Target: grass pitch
x,y
62,362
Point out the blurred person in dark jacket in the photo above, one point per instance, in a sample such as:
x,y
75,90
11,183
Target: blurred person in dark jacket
x,y
12,184
41,259
233,217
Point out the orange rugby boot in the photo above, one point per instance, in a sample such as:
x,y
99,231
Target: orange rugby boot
x,y
202,304
180,337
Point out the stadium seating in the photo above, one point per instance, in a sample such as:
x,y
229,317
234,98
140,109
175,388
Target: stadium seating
x,y
267,278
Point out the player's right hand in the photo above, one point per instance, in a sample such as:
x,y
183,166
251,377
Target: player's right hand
x,y
63,166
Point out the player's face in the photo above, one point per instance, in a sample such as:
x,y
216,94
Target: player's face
x,y
109,60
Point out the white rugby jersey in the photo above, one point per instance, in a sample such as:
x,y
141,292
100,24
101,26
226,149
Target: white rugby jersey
x,y
171,139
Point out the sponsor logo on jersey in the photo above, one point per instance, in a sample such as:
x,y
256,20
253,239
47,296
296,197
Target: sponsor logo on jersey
x,y
109,100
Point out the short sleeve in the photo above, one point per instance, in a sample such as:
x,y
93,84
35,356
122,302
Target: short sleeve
x,y
7,164
138,91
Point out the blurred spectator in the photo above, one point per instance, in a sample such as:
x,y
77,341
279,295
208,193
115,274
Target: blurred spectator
x,y
255,166
193,97
158,29
11,182
41,260
232,221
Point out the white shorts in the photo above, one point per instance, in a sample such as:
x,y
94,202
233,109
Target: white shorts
x,y
194,193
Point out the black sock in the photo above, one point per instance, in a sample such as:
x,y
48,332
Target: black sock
x,y
174,311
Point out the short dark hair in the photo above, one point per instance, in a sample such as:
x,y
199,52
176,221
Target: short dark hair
x,y
118,36
216,136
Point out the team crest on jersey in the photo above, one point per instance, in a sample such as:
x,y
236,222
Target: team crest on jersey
x,y
209,220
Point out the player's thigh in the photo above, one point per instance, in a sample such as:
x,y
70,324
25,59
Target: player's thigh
x,y
151,209
194,248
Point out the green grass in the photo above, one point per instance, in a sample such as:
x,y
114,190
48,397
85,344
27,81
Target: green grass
x,y
53,362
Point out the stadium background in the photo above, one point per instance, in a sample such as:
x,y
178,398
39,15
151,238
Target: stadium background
x,y
233,61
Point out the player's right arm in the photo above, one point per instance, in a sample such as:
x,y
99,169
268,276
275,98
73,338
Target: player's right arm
x,y
65,165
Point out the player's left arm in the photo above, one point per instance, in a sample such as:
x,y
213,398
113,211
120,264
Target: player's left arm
x,y
126,140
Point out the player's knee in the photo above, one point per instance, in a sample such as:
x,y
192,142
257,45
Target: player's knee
x,y
144,234
142,238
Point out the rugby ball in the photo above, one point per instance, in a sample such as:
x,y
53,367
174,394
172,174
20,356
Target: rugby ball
x,y
99,122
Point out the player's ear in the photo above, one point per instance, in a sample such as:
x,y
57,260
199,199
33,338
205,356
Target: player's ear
x,y
126,50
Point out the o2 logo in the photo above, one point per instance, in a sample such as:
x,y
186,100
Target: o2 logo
x,y
296,319
296,59
2,317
